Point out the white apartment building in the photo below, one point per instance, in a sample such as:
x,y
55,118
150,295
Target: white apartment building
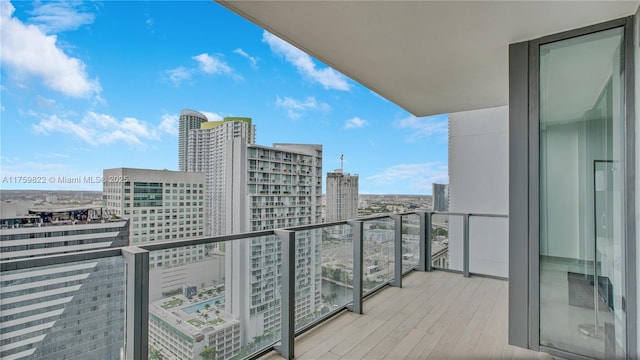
x,y
214,150
161,205
62,311
188,120
342,196
251,188
284,188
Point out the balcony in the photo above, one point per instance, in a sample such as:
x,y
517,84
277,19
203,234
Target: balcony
x,y
350,289
433,316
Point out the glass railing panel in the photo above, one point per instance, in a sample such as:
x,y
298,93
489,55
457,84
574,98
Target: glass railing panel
x,y
489,245
410,242
216,300
71,310
324,272
378,256
444,243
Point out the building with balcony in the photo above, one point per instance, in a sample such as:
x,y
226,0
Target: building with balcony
x,y
251,187
342,196
213,151
189,120
283,188
557,85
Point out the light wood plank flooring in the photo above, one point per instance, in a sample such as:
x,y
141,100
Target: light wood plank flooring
x,y
436,315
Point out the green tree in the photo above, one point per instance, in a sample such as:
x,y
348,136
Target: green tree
x,y
440,232
336,274
155,354
208,353
333,297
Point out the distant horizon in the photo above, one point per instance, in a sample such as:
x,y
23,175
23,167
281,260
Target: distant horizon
x,y
100,191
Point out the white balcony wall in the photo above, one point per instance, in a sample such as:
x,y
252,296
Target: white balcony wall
x,y
479,183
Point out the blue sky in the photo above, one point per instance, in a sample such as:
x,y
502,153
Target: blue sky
x,y
92,85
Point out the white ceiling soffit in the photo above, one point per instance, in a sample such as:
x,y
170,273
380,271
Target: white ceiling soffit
x,y
428,57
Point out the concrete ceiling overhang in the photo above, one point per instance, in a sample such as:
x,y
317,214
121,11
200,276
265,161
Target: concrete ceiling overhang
x,y
428,57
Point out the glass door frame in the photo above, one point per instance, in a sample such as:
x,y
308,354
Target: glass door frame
x,y
629,246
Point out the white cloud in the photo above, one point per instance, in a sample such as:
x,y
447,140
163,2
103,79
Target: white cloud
x,y
252,60
44,103
355,123
53,124
213,65
55,17
24,47
295,108
327,77
101,129
416,176
169,124
207,63
212,116
149,22
178,75
425,126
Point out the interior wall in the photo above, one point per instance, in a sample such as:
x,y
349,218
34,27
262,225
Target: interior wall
x,y
560,237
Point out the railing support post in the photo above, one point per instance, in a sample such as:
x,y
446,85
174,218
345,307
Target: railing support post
x,y
357,226
425,241
397,251
137,307
465,245
288,296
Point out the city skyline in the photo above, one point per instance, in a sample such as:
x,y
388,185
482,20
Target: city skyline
x,y
108,102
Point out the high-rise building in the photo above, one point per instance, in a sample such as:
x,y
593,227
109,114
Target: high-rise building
x,y
252,187
162,205
66,311
440,197
342,196
189,120
214,150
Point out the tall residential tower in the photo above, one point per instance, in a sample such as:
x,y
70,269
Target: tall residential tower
x,y
342,196
189,120
251,187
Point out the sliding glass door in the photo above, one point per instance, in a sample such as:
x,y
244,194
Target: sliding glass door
x,y
581,194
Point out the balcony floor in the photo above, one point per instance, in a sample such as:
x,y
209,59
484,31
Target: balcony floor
x,y
436,315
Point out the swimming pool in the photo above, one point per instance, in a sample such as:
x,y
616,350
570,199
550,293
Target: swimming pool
x,y
201,305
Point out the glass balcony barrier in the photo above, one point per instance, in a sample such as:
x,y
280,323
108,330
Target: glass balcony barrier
x,y
208,299
442,245
229,297
378,245
324,273
410,242
470,243
489,245
64,306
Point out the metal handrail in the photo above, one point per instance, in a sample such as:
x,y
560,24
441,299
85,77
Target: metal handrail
x,y
137,260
